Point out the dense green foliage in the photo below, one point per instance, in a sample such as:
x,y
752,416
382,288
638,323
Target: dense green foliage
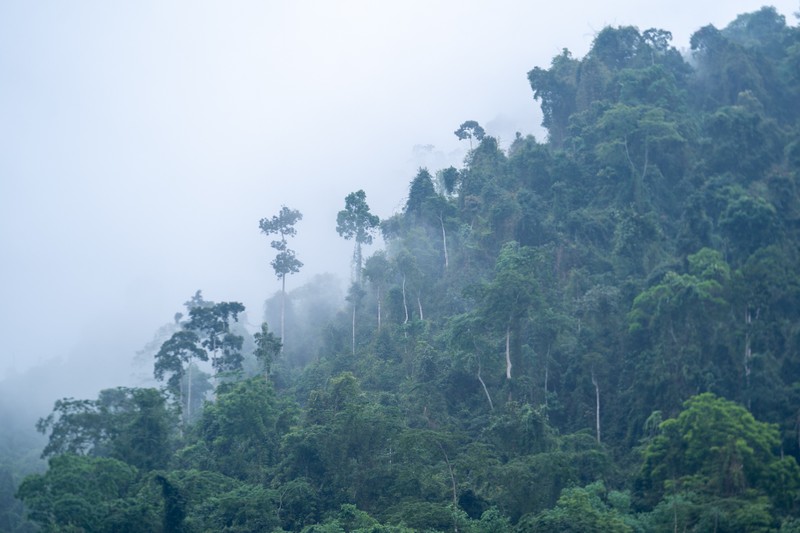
x,y
596,333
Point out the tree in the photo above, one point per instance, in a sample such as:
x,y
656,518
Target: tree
x,y
717,448
634,146
582,509
617,47
285,261
467,338
268,347
748,223
357,223
741,140
425,210
510,296
448,180
556,88
468,130
132,425
174,358
677,324
354,295
246,508
421,193
80,493
213,326
658,40
240,432
409,270
206,332
343,446
377,270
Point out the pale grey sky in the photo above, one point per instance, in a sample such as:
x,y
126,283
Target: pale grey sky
x,y
141,142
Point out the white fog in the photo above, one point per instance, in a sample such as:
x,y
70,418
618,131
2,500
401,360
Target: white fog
x,y
140,144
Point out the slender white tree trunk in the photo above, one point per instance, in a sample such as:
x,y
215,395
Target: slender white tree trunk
x,y
444,241
405,304
189,394
748,349
546,372
485,390
597,405
283,311
508,352
748,352
638,180
354,328
357,263
379,308
453,484
419,305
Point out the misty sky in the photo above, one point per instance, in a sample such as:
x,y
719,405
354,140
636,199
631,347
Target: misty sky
x,y
141,142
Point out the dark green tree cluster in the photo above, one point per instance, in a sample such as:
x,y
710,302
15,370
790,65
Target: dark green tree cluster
x,y
600,332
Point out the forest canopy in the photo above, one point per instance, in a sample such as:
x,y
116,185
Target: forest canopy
x,y
595,332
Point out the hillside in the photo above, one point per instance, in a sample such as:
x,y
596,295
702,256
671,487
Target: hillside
x,y
599,331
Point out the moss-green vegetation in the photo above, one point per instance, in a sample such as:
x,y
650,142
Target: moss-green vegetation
x,y
600,332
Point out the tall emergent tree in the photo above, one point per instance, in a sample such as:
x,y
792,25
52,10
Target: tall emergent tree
x,y
285,261
357,223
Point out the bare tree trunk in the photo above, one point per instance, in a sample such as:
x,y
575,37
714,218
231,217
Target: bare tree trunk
x,y
748,353
546,372
405,304
419,305
674,517
508,352
545,384
748,349
444,242
379,308
597,405
354,328
485,390
638,181
453,483
189,395
357,261
283,310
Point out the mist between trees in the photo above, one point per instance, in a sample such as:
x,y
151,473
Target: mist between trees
x,y
598,332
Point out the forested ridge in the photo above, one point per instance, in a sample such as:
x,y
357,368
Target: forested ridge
x,y
600,332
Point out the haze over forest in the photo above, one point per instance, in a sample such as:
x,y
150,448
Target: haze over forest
x,y
579,310
142,143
